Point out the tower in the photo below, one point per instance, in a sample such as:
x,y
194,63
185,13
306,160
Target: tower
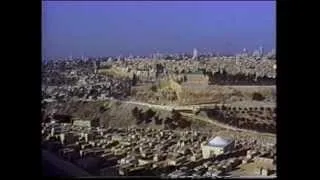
x,y
52,132
244,52
62,138
130,56
70,57
272,54
237,59
256,53
94,67
261,51
195,54
159,55
86,137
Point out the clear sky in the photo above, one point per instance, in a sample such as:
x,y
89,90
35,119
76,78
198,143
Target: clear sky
x,y
105,28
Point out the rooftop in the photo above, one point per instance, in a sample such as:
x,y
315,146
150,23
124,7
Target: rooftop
x,y
219,142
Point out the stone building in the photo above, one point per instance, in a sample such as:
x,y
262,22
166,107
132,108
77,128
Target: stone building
x,y
216,146
197,78
86,123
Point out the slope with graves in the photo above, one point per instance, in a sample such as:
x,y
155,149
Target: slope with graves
x,y
119,114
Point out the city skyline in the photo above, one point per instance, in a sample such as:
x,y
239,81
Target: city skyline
x,y
138,28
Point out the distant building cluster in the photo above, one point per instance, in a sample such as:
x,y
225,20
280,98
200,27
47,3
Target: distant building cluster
x,y
150,70
74,72
98,91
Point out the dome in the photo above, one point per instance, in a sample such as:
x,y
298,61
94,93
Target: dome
x,y
219,141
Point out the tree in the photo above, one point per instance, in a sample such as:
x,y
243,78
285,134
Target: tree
x,y
167,120
185,78
175,115
204,72
135,112
210,75
154,88
158,120
150,113
102,109
257,96
134,80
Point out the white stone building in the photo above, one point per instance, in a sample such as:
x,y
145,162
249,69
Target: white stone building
x,y
216,146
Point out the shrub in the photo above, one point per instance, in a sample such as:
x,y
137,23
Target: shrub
x,y
134,80
154,88
175,115
257,96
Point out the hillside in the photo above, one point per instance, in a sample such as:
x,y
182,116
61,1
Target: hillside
x,y
111,114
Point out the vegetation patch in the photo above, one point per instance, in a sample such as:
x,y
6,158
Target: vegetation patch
x,y
257,96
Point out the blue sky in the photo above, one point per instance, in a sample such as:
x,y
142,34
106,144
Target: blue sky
x,y
105,28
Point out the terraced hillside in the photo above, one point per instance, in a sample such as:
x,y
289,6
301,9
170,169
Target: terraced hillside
x,y
261,119
188,94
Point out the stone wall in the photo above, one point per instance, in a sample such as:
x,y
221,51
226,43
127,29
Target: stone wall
x,y
82,123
